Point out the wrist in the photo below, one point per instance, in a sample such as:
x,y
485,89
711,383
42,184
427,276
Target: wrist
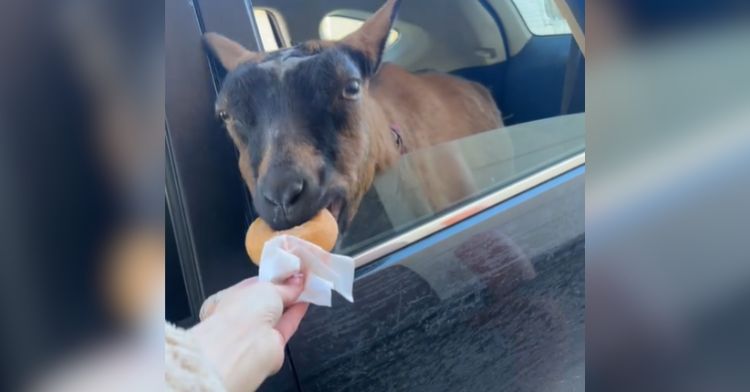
x,y
187,367
230,349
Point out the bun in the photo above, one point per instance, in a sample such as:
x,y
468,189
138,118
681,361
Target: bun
x,y
321,230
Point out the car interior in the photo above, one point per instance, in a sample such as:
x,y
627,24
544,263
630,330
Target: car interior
x,y
487,41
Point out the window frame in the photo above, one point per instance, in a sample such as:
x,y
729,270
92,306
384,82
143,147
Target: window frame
x,y
278,27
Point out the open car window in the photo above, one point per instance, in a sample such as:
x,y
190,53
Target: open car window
x,y
439,186
436,187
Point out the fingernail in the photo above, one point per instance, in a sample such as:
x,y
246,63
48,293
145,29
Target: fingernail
x,y
296,278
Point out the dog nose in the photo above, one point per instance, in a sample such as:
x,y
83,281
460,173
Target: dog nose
x,y
284,190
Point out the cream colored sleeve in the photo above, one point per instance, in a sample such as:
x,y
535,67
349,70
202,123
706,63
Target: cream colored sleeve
x,y
186,367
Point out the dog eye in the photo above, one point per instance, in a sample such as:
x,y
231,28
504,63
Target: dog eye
x,y
352,89
224,116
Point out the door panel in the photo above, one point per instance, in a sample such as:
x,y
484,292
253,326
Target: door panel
x,y
494,303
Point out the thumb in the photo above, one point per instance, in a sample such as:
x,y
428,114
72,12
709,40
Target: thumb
x,y
291,289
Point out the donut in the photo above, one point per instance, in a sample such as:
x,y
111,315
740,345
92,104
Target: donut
x,y
321,230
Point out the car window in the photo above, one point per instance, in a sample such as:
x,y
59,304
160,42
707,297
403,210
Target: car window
x,y
463,173
542,17
446,183
334,27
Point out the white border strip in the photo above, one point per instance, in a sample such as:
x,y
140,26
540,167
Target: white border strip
x,y
471,209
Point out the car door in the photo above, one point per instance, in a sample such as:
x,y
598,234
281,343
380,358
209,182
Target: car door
x,y
484,294
493,301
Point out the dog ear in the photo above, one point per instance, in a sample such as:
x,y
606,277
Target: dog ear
x,y
371,37
230,53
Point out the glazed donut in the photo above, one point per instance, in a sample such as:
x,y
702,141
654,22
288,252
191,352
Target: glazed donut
x,y
321,230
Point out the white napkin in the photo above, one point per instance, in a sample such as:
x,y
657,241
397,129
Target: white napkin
x,y
286,255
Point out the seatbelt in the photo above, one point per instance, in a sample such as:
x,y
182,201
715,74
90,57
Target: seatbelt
x,y
575,55
571,77
575,27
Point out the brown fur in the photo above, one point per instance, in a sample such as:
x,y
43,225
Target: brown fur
x,y
426,109
317,46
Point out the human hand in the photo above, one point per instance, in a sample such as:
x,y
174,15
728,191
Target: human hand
x,y
244,329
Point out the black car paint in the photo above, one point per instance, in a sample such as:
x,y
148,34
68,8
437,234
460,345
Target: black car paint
x,y
502,307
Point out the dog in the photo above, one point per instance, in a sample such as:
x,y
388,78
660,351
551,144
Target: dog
x,y
315,123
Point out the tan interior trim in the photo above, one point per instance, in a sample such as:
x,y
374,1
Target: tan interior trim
x,y
575,27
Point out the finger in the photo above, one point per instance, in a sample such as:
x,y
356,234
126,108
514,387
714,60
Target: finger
x,y
237,286
289,321
209,306
291,289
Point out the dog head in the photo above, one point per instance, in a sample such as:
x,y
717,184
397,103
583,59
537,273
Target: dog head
x,y
301,119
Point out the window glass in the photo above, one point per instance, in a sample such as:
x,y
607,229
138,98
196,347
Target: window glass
x,y
434,181
542,17
268,35
334,28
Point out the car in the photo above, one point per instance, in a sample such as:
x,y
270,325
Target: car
x,y
482,293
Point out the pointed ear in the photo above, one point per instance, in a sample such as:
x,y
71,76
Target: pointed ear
x,y
230,53
371,37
